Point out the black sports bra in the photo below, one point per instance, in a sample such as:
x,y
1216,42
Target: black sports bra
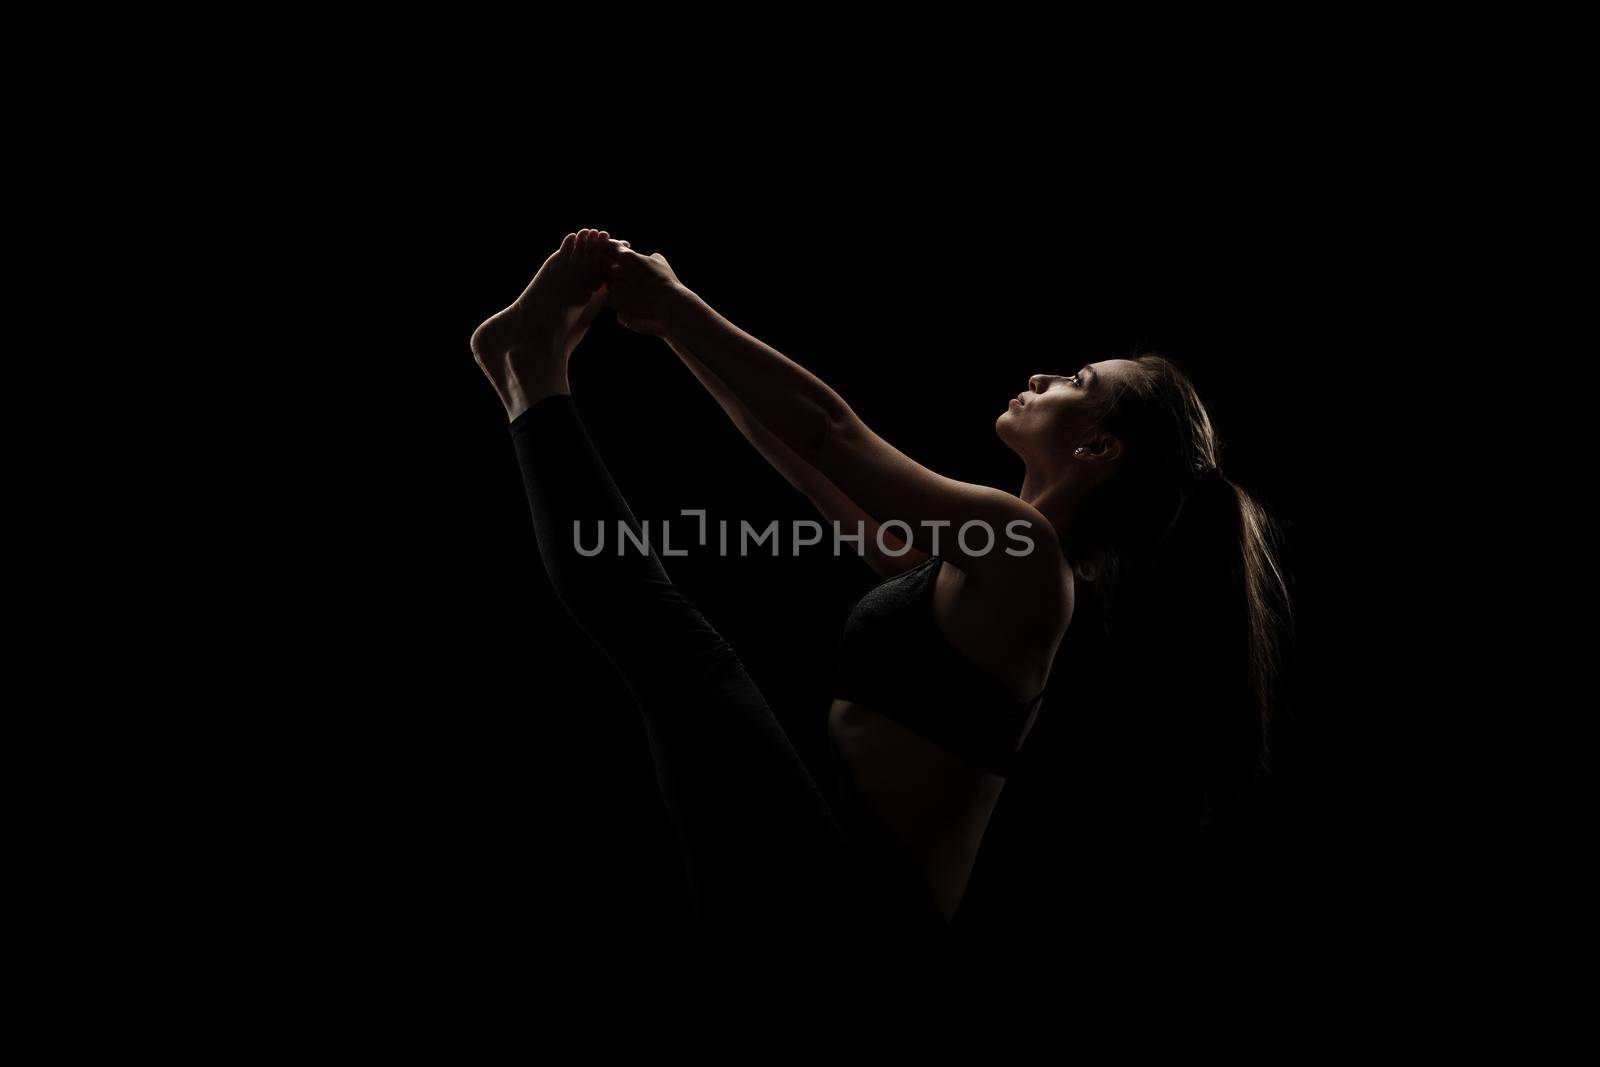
x,y
894,659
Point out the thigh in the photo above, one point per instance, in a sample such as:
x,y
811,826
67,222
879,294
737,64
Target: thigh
x,y
758,835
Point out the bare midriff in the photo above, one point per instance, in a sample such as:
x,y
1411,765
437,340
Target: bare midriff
x,y
934,802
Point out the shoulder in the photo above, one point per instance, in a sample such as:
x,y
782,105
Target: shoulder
x,y
1026,578
1021,543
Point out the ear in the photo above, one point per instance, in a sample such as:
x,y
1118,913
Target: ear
x,y
1104,448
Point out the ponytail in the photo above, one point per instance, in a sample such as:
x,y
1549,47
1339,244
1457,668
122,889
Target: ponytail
x,y
1188,563
1222,531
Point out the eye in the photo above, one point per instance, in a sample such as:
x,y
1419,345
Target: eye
x,y
1075,379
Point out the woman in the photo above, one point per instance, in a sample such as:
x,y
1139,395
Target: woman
x,y
943,664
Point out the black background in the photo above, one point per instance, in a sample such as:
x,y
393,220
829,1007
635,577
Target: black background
x,y
485,779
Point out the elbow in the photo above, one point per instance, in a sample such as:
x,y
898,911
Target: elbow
x,y
828,432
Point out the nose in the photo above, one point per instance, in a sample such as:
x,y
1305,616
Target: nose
x,y
1038,382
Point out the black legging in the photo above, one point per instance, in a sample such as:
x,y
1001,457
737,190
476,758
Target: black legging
x,y
767,853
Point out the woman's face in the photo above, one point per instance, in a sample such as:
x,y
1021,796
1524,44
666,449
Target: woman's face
x,y
1057,413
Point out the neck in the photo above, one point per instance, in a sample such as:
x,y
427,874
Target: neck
x,y
1053,496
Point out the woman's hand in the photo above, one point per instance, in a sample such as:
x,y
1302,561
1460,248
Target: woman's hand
x,y
645,293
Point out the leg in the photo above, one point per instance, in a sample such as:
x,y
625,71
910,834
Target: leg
x,y
760,844
759,840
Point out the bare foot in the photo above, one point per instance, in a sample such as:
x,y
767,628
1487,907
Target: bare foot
x,y
524,349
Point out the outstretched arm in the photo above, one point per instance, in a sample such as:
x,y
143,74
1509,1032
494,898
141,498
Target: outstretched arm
x,y
823,494
814,423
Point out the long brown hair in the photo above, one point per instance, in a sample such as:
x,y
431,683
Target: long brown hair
x,y
1172,515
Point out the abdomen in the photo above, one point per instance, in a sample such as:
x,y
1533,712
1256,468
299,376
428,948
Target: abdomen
x,y
935,803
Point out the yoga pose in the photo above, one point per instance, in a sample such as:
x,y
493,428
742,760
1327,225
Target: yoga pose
x,y
943,664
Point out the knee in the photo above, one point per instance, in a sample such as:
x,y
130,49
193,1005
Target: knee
x,y
609,602
660,632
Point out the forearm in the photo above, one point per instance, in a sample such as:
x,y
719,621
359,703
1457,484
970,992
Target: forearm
x,y
785,399
783,459
827,497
